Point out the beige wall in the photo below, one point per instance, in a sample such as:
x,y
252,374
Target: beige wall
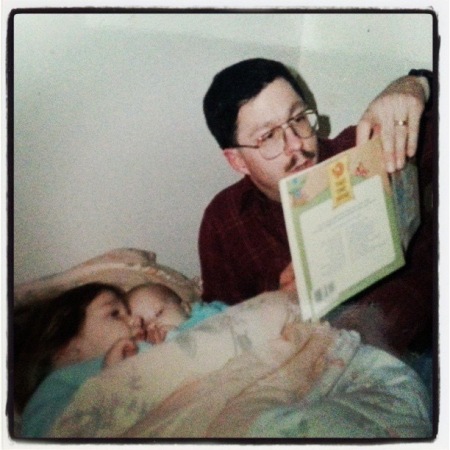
x,y
348,58
110,145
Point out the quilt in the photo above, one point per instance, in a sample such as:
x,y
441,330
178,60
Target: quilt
x,y
253,371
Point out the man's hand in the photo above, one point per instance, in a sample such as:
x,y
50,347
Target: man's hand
x,y
395,115
120,350
287,279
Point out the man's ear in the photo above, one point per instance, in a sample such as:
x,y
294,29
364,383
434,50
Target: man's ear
x,y
236,161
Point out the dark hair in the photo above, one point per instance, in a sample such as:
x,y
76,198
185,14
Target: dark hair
x,y
233,87
44,327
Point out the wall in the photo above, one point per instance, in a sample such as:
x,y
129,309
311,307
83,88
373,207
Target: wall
x,y
110,145
347,59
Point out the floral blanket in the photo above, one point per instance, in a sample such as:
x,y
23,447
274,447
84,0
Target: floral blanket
x,y
253,371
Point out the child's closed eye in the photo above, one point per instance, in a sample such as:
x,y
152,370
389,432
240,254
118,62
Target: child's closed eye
x,y
117,313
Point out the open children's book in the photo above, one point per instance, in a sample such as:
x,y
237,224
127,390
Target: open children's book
x,y
348,223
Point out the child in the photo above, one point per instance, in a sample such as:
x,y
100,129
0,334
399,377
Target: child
x,y
163,312
61,342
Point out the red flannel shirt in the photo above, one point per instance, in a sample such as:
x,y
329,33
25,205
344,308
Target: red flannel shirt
x,y
243,248
243,243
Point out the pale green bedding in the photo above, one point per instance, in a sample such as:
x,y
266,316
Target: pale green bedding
x,y
253,371
375,396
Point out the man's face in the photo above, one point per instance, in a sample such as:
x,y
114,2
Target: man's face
x,y
273,106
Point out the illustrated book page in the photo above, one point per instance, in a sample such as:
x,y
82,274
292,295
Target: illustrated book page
x,y
343,226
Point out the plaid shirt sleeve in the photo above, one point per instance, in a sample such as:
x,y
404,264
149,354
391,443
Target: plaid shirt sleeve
x,y
242,249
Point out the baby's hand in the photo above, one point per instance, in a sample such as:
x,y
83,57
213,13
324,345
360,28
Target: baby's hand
x,y
120,350
155,334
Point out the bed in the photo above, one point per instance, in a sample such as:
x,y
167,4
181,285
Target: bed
x,y
253,371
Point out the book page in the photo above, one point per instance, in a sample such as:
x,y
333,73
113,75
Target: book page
x,y
406,196
342,225
346,244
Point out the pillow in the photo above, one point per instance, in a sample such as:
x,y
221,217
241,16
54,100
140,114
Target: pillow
x,y
124,268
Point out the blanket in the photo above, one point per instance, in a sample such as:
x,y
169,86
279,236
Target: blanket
x,y
253,371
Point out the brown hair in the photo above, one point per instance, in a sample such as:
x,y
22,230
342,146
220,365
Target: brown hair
x,y
43,328
236,85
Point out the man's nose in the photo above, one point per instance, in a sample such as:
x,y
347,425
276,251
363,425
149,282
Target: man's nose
x,y
292,142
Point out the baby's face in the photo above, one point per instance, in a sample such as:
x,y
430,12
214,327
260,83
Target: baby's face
x,y
155,309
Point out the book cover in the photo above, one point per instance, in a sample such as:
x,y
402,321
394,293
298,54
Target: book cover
x,y
343,225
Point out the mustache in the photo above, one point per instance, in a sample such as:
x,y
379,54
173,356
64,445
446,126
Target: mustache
x,y
294,159
308,154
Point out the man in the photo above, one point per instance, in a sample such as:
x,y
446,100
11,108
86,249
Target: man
x,y
257,112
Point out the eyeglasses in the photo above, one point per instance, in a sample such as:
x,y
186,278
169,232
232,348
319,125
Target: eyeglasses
x,y
273,143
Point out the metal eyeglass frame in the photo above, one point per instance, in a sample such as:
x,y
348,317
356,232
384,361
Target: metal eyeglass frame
x,y
288,124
